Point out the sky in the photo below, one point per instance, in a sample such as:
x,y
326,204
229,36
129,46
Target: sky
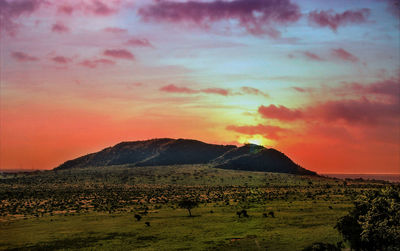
x,y
317,80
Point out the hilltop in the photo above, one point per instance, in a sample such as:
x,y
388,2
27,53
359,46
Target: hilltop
x,y
166,151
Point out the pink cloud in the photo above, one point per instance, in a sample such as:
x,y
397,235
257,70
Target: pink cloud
x,y
23,57
65,9
335,20
377,103
141,42
203,14
313,56
61,59
93,7
11,10
219,91
279,112
100,8
175,89
358,111
344,55
59,28
119,53
270,132
94,63
387,87
115,30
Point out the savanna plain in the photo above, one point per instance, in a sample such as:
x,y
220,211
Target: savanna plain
x,y
139,208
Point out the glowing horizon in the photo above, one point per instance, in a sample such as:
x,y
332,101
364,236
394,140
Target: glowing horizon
x,y
318,81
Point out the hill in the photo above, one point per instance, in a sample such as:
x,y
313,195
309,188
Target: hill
x,y
165,151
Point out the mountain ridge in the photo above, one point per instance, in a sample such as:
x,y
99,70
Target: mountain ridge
x,y
168,151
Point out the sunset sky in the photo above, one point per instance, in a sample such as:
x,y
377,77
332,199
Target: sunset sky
x,y
317,80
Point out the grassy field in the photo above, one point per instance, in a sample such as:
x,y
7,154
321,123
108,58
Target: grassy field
x,y
94,208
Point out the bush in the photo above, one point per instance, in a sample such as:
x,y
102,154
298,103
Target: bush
x,y
374,222
319,246
138,217
243,212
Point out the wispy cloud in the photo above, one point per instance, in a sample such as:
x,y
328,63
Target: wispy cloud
x,y
334,20
257,17
119,53
23,57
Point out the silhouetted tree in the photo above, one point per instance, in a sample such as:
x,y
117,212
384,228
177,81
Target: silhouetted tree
x,y
188,204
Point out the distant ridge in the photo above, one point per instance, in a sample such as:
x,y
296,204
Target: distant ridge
x,y
166,151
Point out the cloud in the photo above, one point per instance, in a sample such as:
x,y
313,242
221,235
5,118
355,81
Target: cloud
x,y
279,112
92,7
388,87
23,57
344,55
175,89
357,111
253,91
141,42
65,9
267,131
115,30
299,89
313,56
257,17
94,63
360,111
61,59
100,9
119,53
219,91
367,104
335,20
11,10
59,28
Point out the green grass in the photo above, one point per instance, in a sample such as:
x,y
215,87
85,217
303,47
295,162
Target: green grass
x,y
295,226
93,208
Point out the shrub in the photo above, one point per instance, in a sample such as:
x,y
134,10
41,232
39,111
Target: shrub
x,y
319,246
374,222
242,213
138,217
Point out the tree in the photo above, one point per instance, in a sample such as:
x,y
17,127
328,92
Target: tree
x,y
374,222
188,204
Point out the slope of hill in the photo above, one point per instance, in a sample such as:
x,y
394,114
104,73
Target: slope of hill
x,y
264,160
163,152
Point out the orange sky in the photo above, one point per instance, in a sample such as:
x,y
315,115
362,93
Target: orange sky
x,y
319,83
